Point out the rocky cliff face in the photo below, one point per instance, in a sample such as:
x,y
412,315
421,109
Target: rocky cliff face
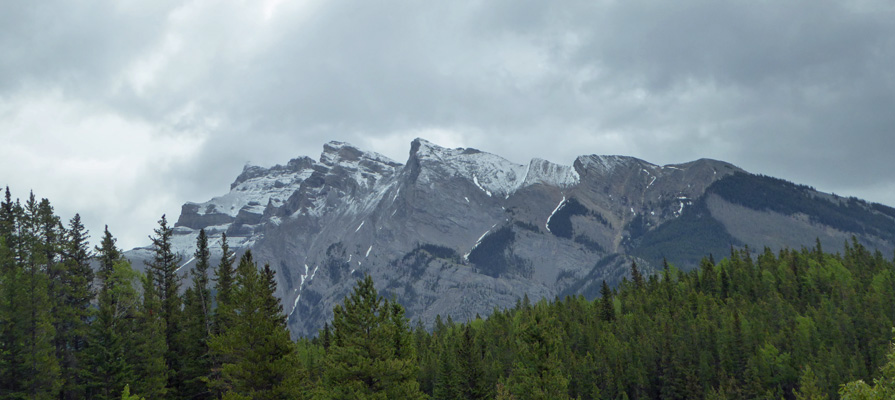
x,y
459,232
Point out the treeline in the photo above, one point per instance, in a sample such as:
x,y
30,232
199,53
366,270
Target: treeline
x,y
796,324
793,325
68,331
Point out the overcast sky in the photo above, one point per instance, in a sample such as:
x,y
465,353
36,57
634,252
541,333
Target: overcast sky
x,y
123,110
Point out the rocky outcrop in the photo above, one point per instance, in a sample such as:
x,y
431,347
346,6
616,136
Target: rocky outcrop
x,y
459,231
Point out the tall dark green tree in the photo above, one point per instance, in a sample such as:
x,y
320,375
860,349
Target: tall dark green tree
x,y
537,372
223,288
107,255
117,349
607,308
112,337
636,276
197,325
164,266
41,366
370,356
73,308
255,351
150,368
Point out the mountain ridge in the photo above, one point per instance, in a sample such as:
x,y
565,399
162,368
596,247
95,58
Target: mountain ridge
x,y
460,231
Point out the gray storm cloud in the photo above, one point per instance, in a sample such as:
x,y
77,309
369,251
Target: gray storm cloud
x,y
123,111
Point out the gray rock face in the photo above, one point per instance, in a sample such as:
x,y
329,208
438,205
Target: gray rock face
x,y
459,232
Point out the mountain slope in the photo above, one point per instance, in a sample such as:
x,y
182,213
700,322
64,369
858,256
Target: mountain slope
x,y
459,231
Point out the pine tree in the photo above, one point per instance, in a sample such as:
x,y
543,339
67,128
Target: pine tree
x,y
607,308
537,372
11,279
256,350
448,382
116,334
223,288
809,388
107,255
708,283
197,325
223,312
151,372
471,367
370,355
636,276
73,312
39,362
164,266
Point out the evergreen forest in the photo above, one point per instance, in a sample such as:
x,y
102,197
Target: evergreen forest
x,y
82,323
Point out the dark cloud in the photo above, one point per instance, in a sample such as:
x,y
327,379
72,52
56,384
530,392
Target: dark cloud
x,y
801,90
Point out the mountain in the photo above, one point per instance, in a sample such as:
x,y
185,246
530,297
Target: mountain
x,y
459,232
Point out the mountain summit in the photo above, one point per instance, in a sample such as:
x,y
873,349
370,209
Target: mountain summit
x,y
459,231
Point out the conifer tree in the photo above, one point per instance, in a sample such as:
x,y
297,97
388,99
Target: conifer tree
x,y
164,266
107,255
255,350
151,372
471,367
607,309
537,372
223,312
40,378
110,361
114,357
11,279
7,218
197,324
73,308
370,355
223,288
448,382
636,276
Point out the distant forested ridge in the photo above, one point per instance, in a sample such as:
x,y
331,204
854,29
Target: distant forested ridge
x,y
80,323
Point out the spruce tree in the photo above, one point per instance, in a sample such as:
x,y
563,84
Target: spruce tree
x,y
255,350
636,276
39,361
11,277
150,370
364,360
114,357
74,308
472,368
223,311
223,288
607,309
537,372
107,255
448,381
164,266
197,325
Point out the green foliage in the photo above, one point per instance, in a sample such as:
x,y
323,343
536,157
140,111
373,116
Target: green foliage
x,y
255,351
883,387
164,265
126,394
371,355
224,288
197,315
793,324
113,334
150,370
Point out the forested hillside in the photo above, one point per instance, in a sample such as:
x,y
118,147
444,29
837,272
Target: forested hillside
x,y
796,324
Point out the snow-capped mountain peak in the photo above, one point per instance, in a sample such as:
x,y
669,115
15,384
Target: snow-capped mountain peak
x,y
460,231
